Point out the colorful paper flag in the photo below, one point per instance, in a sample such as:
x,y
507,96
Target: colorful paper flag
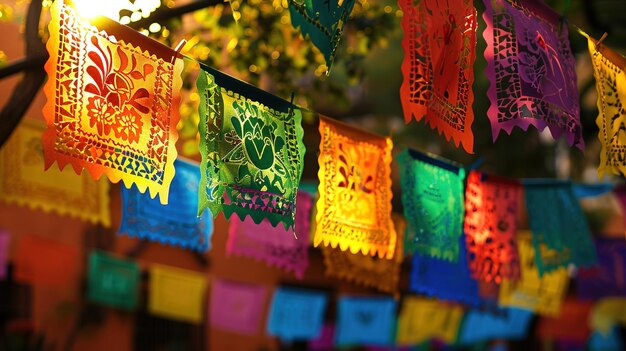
x,y
275,246
612,341
510,323
559,227
423,319
458,285
43,262
365,320
176,223
433,201
541,294
571,324
609,69
112,281
608,278
531,69
177,294
24,182
113,97
325,342
490,227
252,154
354,207
322,22
370,271
297,314
439,52
608,313
237,307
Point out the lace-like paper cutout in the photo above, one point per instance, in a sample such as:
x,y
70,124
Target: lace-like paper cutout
x,y
542,295
507,324
458,285
175,224
252,156
112,281
571,324
531,69
439,52
365,320
611,86
490,227
608,278
237,307
432,197
24,182
275,246
41,262
354,208
560,230
177,294
297,314
423,319
322,22
370,271
113,97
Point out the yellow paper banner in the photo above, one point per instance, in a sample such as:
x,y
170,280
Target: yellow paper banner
x,y
354,208
544,294
423,319
177,294
608,312
24,182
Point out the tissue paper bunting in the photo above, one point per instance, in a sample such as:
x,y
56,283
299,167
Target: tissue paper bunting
x,y
438,68
609,70
42,262
112,281
113,97
560,230
531,70
237,307
365,320
490,227
24,182
510,323
432,197
370,271
424,319
252,155
297,314
608,278
175,224
354,207
571,324
322,22
275,246
542,295
177,294
426,273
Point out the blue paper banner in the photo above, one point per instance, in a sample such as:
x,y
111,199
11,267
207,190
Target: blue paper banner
x,y
176,223
365,321
297,314
458,285
511,323
610,342
591,190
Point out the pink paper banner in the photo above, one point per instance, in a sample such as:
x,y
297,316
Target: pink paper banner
x,y
275,246
236,307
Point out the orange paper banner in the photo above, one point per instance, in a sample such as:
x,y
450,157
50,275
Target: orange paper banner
x,y
354,208
113,97
40,261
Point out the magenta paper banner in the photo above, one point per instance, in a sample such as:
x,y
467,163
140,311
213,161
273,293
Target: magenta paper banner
x,y
236,307
531,70
275,246
4,252
325,342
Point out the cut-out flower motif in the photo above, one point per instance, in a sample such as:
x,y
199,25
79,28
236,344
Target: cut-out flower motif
x,y
128,125
101,114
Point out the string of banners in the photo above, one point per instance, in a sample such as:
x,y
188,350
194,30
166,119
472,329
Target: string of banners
x,y
302,313
113,107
